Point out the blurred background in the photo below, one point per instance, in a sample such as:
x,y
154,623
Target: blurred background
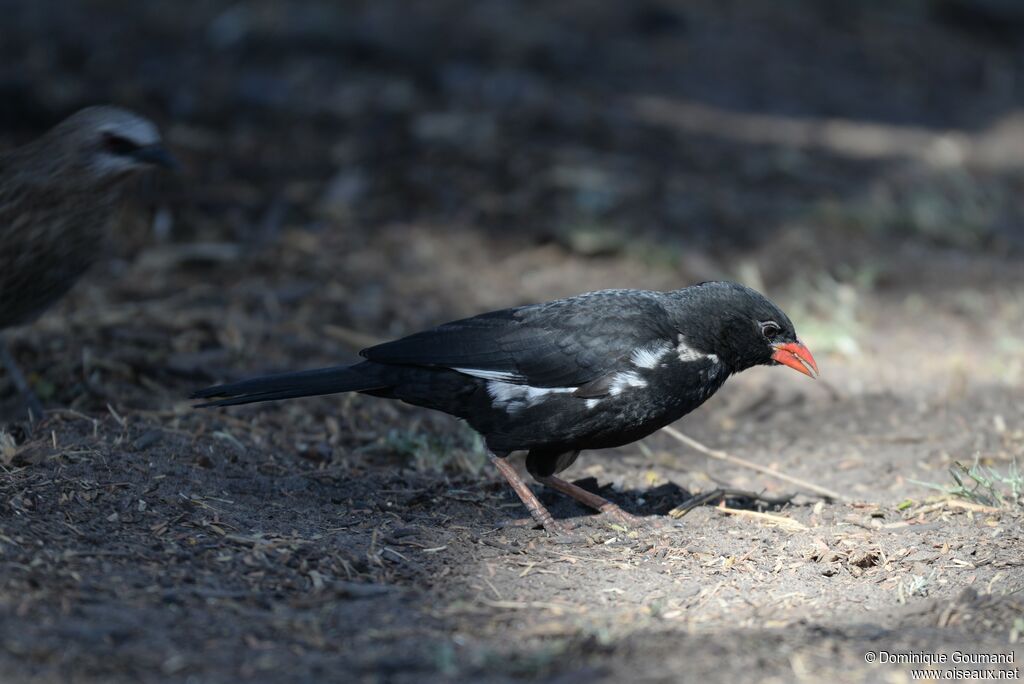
x,y
356,170
382,166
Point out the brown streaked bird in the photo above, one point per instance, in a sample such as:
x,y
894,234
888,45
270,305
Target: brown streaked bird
x,y
58,195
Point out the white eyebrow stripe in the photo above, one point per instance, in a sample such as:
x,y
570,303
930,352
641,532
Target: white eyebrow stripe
x,y
649,357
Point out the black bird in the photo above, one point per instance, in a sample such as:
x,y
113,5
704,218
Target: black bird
x,y
594,371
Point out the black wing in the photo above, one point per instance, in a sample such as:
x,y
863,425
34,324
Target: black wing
x,y
565,343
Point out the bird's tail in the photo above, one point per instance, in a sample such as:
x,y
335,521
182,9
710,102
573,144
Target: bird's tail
x,y
309,383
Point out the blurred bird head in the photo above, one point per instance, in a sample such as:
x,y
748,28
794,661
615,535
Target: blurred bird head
x,y
108,142
743,328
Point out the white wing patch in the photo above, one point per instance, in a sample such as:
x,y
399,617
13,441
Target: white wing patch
x,y
688,354
649,357
624,380
514,398
504,376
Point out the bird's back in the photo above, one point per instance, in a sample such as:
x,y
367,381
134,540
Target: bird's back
x,y
50,233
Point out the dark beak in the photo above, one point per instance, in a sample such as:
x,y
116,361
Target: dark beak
x,y
796,356
157,156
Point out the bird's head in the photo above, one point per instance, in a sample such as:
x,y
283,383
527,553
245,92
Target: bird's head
x,y
109,142
742,327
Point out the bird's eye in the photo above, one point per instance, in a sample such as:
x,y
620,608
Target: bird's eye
x,y
119,145
770,329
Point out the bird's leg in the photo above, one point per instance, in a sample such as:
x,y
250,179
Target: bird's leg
x,y
529,499
35,408
588,499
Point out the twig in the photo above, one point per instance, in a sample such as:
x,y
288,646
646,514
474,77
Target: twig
x,y
956,503
969,506
723,494
736,460
780,520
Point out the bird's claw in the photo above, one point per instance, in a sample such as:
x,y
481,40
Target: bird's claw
x,y
567,532
558,531
615,515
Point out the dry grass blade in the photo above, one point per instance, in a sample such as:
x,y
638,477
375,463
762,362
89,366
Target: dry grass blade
x,y
782,521
721,495
970,506
957,503
736,460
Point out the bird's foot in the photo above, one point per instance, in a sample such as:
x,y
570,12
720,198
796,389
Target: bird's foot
x,y
517,522
35,409
574,530
614,514
32,403
559,531
608,511
564,532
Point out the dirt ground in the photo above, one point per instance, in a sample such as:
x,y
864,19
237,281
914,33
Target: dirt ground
x,y
358,170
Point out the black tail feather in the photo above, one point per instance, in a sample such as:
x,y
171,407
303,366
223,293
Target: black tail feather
x,y
289,385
